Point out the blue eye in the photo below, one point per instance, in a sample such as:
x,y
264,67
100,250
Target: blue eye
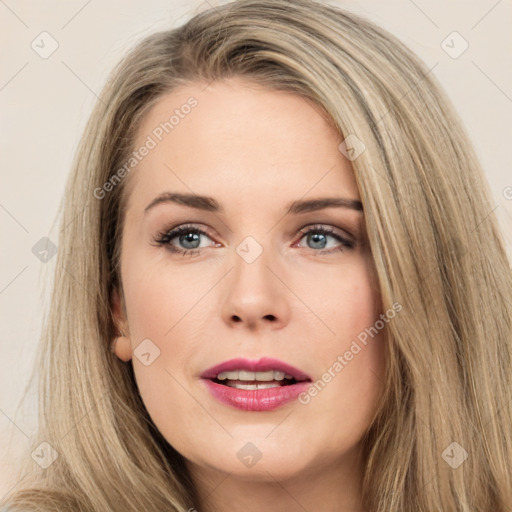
x,y
318,236
189,236
189,240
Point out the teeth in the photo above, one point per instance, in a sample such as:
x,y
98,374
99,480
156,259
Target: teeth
x,y
263,385
262,376
243,375
228,375
267,376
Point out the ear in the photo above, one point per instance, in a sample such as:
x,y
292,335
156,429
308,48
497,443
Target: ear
x,y
121,345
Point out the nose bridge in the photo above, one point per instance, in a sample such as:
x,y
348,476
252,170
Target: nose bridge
x,y
254,295
250,280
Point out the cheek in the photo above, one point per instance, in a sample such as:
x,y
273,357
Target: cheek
x,y
361,302
161,313
156,299
345,299
154,310
354,362
362,332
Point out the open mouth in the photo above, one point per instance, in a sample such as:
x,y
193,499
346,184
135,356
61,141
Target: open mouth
x,y
261,385
242,379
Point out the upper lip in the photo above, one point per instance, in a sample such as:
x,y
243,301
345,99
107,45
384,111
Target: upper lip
x,y
260,365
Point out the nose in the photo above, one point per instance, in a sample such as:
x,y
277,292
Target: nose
x,y
255,296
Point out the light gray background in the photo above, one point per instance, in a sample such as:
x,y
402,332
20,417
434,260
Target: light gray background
x,y
45,103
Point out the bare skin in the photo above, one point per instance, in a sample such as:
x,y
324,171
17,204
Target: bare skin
x,y
304,300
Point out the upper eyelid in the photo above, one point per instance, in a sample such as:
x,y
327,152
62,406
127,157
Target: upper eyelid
x,y
331,230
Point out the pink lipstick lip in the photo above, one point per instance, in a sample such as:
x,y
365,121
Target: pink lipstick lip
x,y
257,400
261,365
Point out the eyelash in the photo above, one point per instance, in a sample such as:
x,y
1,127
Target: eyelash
x,y
165,237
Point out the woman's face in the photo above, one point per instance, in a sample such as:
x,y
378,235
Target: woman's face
x,y
260,271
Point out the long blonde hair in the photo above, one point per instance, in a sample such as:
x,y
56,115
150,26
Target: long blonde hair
x,y
436,248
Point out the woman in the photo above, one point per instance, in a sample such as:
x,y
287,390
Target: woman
x,y
284,288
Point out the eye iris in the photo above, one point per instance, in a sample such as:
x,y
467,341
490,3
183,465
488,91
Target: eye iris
x,y
316,238
190,238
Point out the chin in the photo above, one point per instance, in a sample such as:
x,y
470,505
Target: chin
x,y
258,459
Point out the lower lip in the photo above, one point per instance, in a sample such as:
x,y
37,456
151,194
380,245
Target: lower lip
x,y
256,399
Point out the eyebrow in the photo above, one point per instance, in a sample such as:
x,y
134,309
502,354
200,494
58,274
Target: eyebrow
x,y
211,205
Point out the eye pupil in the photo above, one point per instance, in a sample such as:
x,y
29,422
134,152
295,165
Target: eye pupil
x,y
316,238
190,238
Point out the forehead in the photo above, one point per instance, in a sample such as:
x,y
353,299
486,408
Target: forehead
x,y
237,140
